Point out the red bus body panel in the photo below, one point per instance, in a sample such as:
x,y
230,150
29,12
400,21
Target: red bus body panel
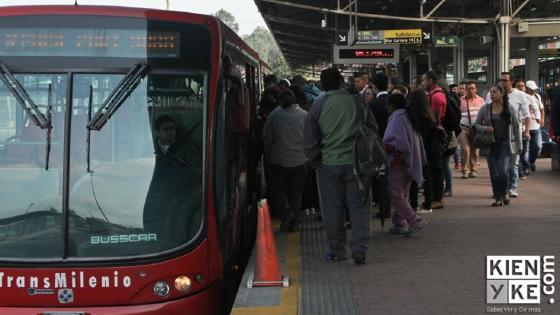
x,y
139,290
138,298
205,302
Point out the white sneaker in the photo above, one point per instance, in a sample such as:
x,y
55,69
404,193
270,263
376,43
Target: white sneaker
x,y
513,193
424,211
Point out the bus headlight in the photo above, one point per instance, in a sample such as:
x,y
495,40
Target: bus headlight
x,y
161,288
182,283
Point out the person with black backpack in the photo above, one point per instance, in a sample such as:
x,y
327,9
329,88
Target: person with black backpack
x,y
433,190
330,133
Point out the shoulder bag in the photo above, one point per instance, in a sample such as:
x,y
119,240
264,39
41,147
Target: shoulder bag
x,y
472,129
483,139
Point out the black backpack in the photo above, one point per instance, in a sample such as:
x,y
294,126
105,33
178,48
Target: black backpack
x,y
452,119
369,154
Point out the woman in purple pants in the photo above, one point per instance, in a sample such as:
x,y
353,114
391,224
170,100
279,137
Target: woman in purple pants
x,y
405,158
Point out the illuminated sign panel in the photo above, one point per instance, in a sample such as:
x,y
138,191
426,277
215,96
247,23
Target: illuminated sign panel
x,y
412,36
76,42
367,53
446,40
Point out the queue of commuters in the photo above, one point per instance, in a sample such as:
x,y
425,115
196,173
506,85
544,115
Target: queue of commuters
x,y
308,137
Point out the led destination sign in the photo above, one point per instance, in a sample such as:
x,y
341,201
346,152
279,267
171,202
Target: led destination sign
x,y
76,42
367,53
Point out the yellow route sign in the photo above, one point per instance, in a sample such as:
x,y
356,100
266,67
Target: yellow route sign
x,y
409,36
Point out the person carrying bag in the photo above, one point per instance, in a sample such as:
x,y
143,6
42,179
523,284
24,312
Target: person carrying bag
x,y
497,128
482,139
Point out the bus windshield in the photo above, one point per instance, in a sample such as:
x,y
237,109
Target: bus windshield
x,y
134,185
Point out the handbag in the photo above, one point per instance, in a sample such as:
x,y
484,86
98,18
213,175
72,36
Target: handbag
x,y
471,132
483,139
451,144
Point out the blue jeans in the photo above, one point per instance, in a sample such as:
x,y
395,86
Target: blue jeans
x,y
499,166
457,154
535,146
339,192
513,171
447,176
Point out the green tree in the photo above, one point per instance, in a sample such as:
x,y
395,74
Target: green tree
x,y
227,18
263,43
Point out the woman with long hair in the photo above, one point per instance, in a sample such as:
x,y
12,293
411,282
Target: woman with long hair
x,y
505,127
405,158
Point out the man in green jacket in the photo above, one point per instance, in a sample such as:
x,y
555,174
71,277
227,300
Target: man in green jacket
x,y
331,127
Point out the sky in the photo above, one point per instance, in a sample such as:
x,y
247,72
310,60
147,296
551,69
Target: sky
x,y
244,11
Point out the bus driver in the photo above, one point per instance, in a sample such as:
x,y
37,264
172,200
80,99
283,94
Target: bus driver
x,y
172,196
169,150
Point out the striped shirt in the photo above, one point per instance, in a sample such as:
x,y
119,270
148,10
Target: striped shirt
x,y
474,106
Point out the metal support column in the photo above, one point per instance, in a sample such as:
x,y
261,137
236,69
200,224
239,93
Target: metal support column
x,y
504,40
412,67
532,60
460,63
456,65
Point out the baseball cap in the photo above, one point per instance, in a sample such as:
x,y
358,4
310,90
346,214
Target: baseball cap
x,y
531,85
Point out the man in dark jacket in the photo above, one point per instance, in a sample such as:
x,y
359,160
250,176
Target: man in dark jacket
x,y
380,105
380,109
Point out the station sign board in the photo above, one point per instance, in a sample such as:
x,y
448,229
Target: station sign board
x,y
365,54
446,41
410,36
370,37
405,36
549,53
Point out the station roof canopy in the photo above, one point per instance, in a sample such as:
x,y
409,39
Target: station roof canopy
x,y
304,38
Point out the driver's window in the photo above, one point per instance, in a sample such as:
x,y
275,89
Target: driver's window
x,y
150,152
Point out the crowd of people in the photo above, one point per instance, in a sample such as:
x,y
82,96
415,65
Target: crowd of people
x,y
309,137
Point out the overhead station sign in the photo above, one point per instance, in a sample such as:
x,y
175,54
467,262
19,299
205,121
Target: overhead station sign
x,y
370,37
366,54
412,36
549,53
406,36
446,40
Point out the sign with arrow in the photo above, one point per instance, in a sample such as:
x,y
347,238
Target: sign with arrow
x,y
408,36
342,38
426,37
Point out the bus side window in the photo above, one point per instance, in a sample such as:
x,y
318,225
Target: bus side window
x,y
238,104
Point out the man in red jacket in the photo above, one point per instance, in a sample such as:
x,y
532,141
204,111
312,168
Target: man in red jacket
x,y
433,187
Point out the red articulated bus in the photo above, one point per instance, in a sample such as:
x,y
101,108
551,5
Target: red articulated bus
x,y
128,182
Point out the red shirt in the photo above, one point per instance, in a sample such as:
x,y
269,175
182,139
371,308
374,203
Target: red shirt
x,y
438,101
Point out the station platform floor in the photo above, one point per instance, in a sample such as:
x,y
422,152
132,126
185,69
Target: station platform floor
x,y
439,270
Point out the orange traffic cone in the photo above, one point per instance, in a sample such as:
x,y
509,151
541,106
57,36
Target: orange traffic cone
x,y
267,265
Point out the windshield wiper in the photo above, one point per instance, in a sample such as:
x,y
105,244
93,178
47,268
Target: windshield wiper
x,y
49,127
117,97
88,141
22,97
